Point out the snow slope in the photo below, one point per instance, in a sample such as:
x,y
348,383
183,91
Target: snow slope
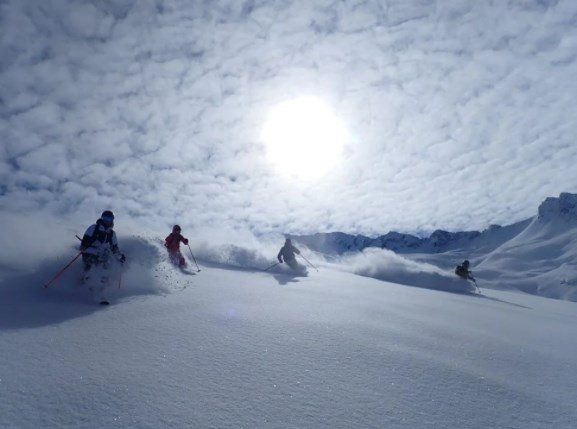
x,y
536,256
542,260
234,347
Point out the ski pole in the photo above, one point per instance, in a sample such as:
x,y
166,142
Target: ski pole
x,y
120,280
193,258
62,270
308,262
273,265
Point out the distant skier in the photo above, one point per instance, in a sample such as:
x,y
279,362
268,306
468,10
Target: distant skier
x,y
463,271
98,243
287,252
172,244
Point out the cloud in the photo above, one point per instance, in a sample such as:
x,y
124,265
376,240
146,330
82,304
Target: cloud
x,y
460,112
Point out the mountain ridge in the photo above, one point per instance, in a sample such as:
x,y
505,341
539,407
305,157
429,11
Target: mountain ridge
x,y
562,208
536,256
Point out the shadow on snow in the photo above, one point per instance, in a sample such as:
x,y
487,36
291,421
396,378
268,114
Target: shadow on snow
x,y
26,303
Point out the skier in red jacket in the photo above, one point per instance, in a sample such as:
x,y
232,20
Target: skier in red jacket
x,y
172,244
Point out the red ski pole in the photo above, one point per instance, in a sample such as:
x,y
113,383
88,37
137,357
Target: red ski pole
x,y
62,270
193,258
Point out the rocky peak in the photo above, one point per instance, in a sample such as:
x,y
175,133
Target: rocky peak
x,y
563,207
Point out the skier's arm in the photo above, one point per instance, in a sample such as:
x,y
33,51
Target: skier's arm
x,y
115,249
184,240
279,256
87,238
114,244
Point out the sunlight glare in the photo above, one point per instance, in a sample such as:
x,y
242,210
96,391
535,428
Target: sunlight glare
x,y
303,138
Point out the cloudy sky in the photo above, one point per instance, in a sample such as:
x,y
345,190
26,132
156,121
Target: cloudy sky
x,y
292,116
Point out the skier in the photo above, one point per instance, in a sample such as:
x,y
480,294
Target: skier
x,y
172,244
98,243
287,252
463,271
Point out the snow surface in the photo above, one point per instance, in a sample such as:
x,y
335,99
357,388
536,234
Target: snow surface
x,y
347,346
536,256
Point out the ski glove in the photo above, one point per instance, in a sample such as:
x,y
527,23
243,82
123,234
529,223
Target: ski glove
x,y
122,258
185,241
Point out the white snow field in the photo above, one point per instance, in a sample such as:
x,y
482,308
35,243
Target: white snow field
x,y
236,347
536,256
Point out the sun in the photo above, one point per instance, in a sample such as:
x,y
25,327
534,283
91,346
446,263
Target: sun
x,y
303,138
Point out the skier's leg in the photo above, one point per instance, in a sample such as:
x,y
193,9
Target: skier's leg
x,y
98,293
100,281
88,261
173,258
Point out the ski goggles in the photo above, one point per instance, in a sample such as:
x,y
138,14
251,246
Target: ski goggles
x,y
108,220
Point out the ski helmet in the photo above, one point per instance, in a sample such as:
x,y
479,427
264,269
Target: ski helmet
x,y
466,262
107,218
107,213
176,228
